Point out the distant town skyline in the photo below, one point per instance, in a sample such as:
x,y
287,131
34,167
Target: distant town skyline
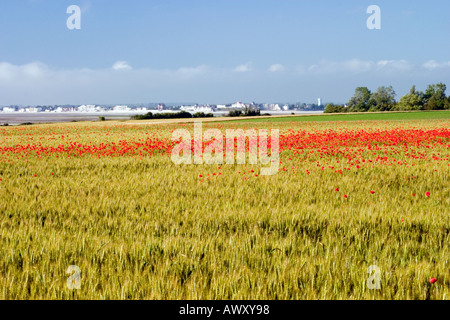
x,y
158,106
216,52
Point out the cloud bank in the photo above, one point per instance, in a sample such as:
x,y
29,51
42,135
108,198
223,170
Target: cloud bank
x,y
38,83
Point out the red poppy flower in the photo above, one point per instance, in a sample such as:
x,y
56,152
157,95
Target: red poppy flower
x,y
345,196
337,189
427,194
372,192
433,280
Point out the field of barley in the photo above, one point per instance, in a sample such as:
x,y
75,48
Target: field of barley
x,y
107,198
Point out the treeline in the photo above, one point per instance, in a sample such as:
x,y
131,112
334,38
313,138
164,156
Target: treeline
x,y
383,99
248,112
177,115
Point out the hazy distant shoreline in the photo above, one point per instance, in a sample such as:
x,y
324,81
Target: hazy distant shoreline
x,y
17,118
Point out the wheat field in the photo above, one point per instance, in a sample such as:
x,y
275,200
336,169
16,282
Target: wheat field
x,y
106,197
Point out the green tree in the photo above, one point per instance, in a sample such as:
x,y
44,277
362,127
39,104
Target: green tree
x,y
334,108
411,101
359,101
329,108
383,99
435,97
248,112
234,113
447,103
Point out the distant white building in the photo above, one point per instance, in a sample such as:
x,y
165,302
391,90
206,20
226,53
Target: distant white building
x,y
87,108
319,102
121,109
271,106
196,109
90,108
274,107
8,109
33,109
238,105
221,107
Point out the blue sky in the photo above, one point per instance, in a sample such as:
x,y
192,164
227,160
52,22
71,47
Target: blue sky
x,y
217,51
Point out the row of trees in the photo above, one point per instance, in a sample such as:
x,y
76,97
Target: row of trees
x,y
383,99
248,112
177,115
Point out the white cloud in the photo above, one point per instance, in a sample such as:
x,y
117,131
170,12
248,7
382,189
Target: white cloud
x,y
400,65
33,70
276,68
433,64
121,65
7,71
243,67
356,66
